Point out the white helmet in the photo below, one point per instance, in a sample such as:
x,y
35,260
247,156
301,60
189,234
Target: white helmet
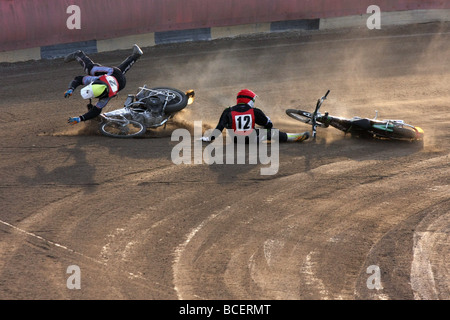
x,y
93,91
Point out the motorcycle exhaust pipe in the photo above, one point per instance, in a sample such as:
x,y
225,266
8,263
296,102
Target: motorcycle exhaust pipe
x,y
191,96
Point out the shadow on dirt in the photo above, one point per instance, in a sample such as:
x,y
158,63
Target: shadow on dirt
x,y
156,145
312,154
358,149
79,172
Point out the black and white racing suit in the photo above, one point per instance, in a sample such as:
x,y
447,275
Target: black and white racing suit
x,y
93,72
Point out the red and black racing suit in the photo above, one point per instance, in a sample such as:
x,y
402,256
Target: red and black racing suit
x,y
242,119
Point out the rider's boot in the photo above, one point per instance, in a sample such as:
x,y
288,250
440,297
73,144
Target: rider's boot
x,y
137,52
82,59
297,137
129,61
73,56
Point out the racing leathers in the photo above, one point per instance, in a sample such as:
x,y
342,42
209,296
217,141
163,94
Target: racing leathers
x,y
242,119
113,77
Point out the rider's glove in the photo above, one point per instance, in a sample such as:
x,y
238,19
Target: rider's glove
x,y
74,120
68,93
206,139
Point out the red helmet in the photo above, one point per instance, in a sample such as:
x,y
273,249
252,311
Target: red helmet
x,y
246,96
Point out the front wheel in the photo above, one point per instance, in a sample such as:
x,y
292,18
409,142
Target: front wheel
x,y
299,115
303,116
129,129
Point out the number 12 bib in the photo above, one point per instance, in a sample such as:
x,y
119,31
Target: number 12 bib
x,y
243,122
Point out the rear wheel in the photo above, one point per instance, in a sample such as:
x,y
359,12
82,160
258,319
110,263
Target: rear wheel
x,y
120,129
404,133
177,99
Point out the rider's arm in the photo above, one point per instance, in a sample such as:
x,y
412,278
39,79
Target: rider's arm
x,y
77,81
95,110
102,103
91,114
223,123
262,119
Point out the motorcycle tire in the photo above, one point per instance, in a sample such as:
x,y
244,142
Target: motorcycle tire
x,y
113,129
302,116
177,104
403,133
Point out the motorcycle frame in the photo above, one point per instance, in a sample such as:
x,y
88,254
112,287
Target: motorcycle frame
x,y
382,132
129,113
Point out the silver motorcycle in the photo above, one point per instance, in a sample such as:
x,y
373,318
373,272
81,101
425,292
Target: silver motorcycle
x,y
149,108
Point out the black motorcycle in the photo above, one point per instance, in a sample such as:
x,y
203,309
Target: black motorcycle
x,y
356,126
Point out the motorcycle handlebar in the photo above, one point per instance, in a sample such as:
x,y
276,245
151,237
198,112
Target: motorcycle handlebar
x,y
320,101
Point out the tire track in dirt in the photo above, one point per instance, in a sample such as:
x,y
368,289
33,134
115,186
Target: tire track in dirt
x,y
290,260
225,232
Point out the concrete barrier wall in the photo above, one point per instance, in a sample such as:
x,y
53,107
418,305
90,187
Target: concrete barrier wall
x,y
116,24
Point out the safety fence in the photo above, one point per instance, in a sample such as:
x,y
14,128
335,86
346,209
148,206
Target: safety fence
x,y
35,29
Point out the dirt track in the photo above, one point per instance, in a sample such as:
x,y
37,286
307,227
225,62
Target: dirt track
x,y
141,227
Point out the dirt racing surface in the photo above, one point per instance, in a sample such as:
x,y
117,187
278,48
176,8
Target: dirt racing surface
x,y
342,218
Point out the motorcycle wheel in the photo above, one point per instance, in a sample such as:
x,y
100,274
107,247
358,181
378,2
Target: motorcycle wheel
x,y
178,103
404,133
299,115
117,130
302,116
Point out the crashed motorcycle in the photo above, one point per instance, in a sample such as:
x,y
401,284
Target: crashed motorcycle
x,y
149,108
356,126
